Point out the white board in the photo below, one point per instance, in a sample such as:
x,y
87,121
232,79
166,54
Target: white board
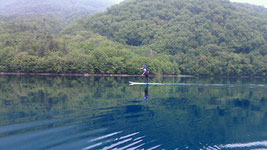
x,y
140,83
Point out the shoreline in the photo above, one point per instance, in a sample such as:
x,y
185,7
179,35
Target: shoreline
x,y
87,74
117,75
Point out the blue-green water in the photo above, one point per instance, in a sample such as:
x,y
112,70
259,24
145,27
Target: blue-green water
x,y
107,113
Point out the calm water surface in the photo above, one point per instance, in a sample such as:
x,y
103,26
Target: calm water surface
x,y
107,113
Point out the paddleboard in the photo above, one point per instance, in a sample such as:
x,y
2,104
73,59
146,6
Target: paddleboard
x,y
140,83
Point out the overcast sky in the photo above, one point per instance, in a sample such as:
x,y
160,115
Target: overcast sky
x,y
117,1
254,2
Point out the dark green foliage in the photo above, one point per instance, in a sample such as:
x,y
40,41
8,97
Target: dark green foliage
x,y
177,26
211,37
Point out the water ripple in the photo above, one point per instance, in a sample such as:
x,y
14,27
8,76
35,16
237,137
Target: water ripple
x,y
105,136
116,144
246,145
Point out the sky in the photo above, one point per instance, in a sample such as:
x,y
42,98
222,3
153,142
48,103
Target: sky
x,y
117,1
254,2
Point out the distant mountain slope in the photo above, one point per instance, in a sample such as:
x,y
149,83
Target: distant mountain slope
x,y
59,7
174,26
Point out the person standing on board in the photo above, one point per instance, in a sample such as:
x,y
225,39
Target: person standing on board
x,y
146,72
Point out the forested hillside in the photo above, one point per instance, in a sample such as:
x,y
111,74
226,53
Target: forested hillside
x,y
175,26
196,37
69,9
206,37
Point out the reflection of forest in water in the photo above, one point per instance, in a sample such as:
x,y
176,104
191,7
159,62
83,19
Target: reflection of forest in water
x,y
55,93
185,108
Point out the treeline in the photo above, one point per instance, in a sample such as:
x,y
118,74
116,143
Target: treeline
x,y
101,60
75,52
175,37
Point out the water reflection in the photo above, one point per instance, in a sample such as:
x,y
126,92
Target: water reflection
x,y
107,113
146,96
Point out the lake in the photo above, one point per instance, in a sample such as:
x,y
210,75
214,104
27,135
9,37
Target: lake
x,y
54,112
